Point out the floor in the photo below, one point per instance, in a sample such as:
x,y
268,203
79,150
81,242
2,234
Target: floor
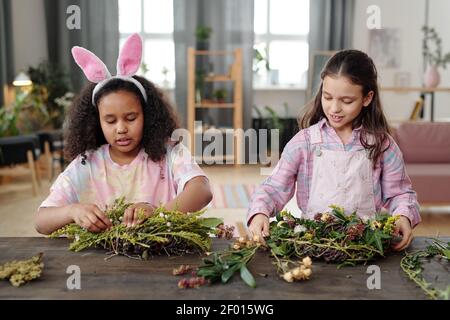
x,y
17,205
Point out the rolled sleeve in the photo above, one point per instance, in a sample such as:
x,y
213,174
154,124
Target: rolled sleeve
x,y
273,194
183,167
62,193
398,196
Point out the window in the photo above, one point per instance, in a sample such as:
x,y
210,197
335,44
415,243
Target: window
x,y
153,20
281,40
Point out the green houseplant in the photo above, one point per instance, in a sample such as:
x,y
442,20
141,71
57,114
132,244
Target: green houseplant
x,y
27,114
51,82
202,34
220,95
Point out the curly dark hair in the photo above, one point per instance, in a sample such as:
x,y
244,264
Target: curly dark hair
x,y
83,131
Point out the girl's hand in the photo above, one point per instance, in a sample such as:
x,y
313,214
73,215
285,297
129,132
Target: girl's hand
x,y
403,227
259,226
131,215
90,217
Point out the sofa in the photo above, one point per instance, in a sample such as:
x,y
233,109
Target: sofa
x,y
426,152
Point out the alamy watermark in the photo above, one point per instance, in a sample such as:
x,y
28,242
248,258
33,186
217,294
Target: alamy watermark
x,y
74,280
73,21
374,280
374,19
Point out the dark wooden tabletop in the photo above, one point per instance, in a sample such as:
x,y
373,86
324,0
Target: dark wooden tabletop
x,y
125,278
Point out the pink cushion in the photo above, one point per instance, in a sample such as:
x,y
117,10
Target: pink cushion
x,y
424,142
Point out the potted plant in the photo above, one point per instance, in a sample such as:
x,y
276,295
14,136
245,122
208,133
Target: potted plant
x,y
261,66
433,56
50,82
202,34
220,95
8,120
260,61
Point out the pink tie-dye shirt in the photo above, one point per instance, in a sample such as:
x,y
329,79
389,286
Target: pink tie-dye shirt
x,y
100,181
391,185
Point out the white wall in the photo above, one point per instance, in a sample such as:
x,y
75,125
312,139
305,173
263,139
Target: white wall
x,y
29,30
277,98
408,17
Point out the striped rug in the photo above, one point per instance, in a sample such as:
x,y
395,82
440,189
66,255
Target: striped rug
x,y
232,195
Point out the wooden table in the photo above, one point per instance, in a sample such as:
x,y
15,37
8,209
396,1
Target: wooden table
x,y
124,278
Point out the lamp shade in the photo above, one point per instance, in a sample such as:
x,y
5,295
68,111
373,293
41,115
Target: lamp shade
x,y
22,79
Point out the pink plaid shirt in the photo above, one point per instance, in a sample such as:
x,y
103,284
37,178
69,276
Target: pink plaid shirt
x,y
391,184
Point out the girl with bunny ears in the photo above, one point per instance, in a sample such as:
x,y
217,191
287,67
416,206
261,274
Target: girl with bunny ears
x,y
118,140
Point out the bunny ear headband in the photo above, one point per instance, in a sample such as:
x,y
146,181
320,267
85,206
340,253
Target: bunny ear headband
x,y
127,65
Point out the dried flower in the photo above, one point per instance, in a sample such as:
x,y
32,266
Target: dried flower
x,y
182,269
22,271
242,240
355,231
288,276
326,217
375,225
299,228
308,236
307,273
291,223
224,232
307,262
389,226
194,282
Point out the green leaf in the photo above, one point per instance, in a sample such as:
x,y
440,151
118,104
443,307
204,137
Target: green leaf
x,y
339,213
447,253
247,277
276,250
210,222
229,273
378,243
278,216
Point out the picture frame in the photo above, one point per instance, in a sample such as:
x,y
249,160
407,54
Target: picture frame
x,y
317,62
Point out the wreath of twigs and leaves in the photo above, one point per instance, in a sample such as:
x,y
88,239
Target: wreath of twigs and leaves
x,y
332,237
164,232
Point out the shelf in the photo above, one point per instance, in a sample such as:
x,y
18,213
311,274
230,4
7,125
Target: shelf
x,y
213,130
223,158
218,78
279,88
414,89
233,79
212,104
213,53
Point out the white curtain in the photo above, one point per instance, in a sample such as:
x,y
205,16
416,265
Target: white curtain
x,y
232,27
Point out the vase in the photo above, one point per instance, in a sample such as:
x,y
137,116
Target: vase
x,y
432,77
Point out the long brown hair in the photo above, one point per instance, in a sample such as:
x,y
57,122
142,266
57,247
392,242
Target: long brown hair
x,y
83,131
360,69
